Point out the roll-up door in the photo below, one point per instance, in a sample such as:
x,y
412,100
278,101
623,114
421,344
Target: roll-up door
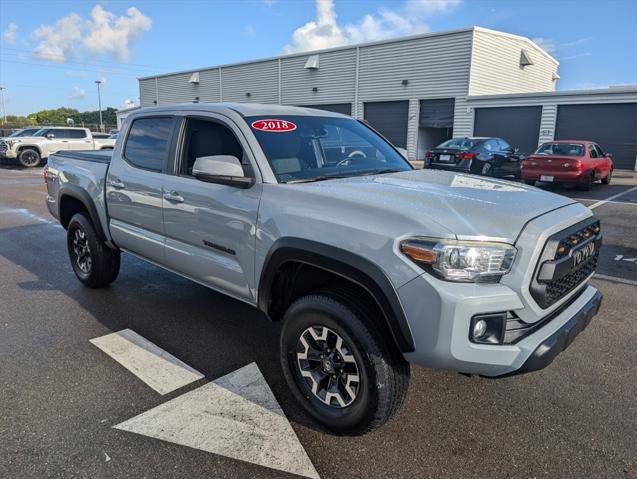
x,y
612,125
517,125
390,119
437,113
344,108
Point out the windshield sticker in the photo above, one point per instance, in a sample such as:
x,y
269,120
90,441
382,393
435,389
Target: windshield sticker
x,y
277,126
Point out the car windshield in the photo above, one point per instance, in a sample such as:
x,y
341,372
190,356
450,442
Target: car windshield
x,y
25,132
308,148
460,143
561,149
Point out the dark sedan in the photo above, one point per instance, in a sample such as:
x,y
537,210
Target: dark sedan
x,y
477,155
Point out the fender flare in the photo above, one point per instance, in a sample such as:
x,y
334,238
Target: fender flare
x,y
31,147
343,263
74,191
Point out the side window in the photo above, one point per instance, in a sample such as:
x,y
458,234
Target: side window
x,y
504,146
490,145
592,151
599,151
148,143
208,138
76,134
58,134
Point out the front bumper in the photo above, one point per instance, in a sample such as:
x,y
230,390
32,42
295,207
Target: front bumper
x,y
547,351
440,315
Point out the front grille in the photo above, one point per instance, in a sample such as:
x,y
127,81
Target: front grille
x,y
568,258
3,147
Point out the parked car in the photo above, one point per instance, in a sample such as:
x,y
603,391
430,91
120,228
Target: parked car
x,y
477,155
100,135
24,132
31,150
574,162
316,220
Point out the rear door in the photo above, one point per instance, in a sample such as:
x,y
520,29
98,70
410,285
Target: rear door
x,y
134,187
78,140
210,228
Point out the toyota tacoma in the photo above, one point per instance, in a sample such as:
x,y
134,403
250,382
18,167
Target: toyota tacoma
x,y
319,222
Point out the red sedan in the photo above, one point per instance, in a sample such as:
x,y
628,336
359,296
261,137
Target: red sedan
x,y
577,162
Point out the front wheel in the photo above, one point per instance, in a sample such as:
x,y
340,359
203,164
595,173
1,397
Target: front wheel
x,y
95,264
340,366
606,181
29,158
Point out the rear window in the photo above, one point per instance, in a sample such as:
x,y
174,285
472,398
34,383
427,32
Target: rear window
x,y
76,134
148,142
561,149
460,143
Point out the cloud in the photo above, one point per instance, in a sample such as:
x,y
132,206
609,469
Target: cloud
x,y
577,55
57,42
77,93
269,3
248,31
9,34
103,33
547,44
575,43
110,34
325,31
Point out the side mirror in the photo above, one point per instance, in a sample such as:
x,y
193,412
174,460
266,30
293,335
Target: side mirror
x,y
50,136
221,169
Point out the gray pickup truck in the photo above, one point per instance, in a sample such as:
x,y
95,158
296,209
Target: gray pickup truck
x,y
316,220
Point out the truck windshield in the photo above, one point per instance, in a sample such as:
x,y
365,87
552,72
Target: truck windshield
x,y
561,149
41,132
308,148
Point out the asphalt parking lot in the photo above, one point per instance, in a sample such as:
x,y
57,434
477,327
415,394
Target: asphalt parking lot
x,y
62,396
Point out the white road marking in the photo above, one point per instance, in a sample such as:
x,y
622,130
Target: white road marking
x,y
611,198
160,370
235,416
614,279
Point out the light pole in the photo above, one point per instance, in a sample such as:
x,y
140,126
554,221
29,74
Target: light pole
x,y
99,102
4,112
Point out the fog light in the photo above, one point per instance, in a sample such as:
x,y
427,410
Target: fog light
x,y
479,328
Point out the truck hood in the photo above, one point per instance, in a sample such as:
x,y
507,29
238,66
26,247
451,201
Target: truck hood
x,y
26,139
466,206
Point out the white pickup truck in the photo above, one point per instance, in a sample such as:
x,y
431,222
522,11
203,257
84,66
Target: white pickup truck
x,y
29,151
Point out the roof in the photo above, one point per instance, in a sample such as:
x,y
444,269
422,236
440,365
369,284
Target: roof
x,y
612,90
361,45
245,109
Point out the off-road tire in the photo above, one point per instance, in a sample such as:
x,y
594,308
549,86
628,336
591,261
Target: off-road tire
x,y
104,261
384,374
29,158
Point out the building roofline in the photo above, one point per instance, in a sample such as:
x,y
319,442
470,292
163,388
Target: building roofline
x,y
327,50
629,89
518,37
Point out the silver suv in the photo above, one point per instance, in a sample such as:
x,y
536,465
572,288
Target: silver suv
x,y
316,220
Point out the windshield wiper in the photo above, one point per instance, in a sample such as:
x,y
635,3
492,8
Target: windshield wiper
x,y
382,171
318,178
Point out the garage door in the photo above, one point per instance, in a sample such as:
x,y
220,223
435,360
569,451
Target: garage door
x,y
390,119
344,108
613,126
518,125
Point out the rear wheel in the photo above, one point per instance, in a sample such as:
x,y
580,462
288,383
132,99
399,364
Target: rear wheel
x,y
606,181
95,264
486,169
29,157
529,182
587,184
340,366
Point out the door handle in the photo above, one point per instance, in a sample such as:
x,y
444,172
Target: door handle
x,y
115,183
173,197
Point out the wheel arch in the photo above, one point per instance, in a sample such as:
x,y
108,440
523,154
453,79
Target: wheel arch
x,y
74,199
345,264
29,147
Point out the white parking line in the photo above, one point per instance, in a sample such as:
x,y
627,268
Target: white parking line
x,y
615,279
611,198
160,370
235,416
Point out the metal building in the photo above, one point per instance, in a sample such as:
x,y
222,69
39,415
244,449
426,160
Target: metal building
x,y
417,91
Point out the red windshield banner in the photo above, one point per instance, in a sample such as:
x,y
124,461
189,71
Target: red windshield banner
x,y
274,125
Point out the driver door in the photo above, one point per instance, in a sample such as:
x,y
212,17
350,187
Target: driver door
x,y
210,228
58,141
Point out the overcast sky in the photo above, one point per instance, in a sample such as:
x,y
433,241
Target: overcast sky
x,y
52,51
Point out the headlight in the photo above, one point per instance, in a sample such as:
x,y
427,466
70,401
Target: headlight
x,y
9,143
463,261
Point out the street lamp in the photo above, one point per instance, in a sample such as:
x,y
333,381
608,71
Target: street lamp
x,y
4,112
99,102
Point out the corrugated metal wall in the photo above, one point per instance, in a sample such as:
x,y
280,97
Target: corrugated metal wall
x,y
260,79
495,66
335,79
147,92
547,124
